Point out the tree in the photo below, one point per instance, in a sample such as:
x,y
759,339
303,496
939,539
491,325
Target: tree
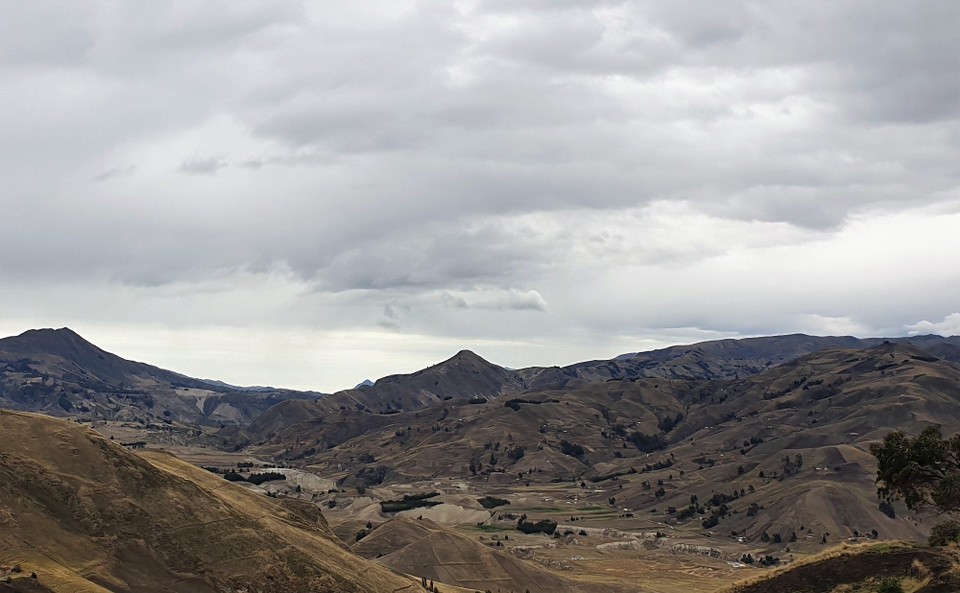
x,y
945,533
922,471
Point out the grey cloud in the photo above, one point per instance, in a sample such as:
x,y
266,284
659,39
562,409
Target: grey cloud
x,y
203,166
37,34
384,155
497,299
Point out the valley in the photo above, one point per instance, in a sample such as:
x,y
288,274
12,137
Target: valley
x,y
691,469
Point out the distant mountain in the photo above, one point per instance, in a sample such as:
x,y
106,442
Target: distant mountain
x,y
364,383
698,436
720,359
81,513
463,377
468,376
57,372
64,353
255,388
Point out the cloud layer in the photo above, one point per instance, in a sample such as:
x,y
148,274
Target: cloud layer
x,y
552,180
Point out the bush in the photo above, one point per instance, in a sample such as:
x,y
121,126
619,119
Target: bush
x,y
409,501
492,502
571,449
543,526
516,454
890,585
648,443
945,533
886,507
265,477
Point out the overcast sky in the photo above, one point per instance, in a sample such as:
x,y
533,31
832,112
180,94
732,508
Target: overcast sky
x,y
307,194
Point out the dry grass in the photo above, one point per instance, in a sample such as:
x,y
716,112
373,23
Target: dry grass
x,y
89,516
858,569
834,552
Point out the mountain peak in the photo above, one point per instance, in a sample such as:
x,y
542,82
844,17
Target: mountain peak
x,y
61,332
47,340
468,355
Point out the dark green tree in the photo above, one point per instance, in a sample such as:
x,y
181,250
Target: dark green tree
x,y
923,471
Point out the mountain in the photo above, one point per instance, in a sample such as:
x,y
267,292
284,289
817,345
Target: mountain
x,y
467,376
792,440
732,446
463,377
720,359
82,513
58,372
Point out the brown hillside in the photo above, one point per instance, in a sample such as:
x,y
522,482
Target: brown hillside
x,y
425,549
718,437
86,515
860,569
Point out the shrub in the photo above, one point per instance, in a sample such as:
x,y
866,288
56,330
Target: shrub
x,y
648,443
769,560
265,477
571,449
492,502
890,585
542,526
409,501
886,507
516,453
945,533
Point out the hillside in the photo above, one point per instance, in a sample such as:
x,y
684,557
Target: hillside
x,y
696,437
468,376
86,515
860,569
422,547
643,463
57,372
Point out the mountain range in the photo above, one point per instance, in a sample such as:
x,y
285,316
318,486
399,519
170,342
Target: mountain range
x,y
759,444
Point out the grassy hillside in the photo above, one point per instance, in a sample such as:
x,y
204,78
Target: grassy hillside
x,y
861,569
86,515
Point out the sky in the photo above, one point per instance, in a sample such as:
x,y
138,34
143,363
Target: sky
x,y
308,194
